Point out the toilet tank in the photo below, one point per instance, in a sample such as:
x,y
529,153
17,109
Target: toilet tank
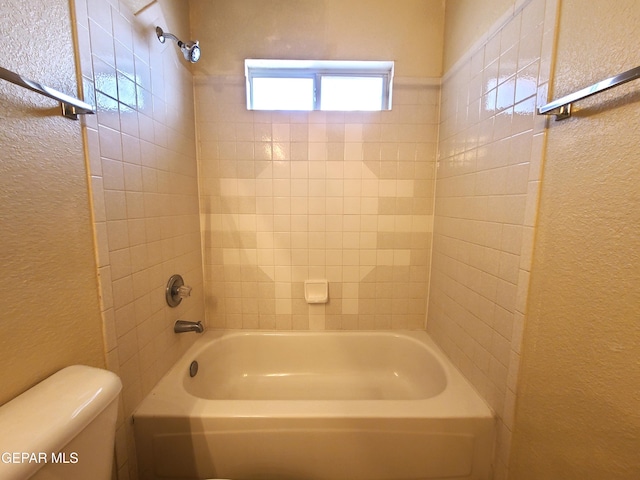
x,y
63,428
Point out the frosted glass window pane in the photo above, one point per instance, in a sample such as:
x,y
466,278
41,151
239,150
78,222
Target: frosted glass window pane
x,y
351,93
282,93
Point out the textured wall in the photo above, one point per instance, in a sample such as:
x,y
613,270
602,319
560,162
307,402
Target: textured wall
x,y
50,311
409,32
141,147
490,153
578,414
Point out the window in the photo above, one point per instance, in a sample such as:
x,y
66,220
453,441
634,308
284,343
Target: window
x,y
318,85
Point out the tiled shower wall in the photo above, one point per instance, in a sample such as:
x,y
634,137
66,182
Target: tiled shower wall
x,y
291,196
141,150
490,159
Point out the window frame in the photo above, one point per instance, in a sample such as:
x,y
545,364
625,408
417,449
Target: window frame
x,y
315,70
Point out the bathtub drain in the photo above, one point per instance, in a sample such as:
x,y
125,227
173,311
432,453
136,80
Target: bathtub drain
x,y
193,368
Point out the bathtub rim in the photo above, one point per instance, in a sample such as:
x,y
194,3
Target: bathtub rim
x,y
169,399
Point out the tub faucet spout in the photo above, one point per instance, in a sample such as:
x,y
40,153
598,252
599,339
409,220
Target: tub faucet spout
x,y
182,326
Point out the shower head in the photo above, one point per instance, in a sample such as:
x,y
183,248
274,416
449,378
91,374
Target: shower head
x,y
190,50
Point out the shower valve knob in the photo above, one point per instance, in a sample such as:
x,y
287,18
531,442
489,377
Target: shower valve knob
x,y
184,291
176,291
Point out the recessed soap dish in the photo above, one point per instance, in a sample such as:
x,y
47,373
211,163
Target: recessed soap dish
x,y
316,291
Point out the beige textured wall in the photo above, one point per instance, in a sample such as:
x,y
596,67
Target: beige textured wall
x,y
50,311
141,148
409,32
578,413
468,20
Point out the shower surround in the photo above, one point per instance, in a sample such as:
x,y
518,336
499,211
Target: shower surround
x,y
292,196
490,164
286,197
141,156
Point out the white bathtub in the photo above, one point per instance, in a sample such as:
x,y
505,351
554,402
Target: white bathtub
x,y
314,406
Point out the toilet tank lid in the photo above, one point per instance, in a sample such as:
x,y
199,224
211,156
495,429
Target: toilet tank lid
x,y
47,416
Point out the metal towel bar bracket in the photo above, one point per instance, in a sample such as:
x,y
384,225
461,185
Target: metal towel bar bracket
x,y
71,107
561,108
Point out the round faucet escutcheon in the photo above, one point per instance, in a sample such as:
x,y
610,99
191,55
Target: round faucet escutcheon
x,y
176,290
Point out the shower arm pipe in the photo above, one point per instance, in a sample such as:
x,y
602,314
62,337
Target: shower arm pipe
x,y
71,107
170,35
561,107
